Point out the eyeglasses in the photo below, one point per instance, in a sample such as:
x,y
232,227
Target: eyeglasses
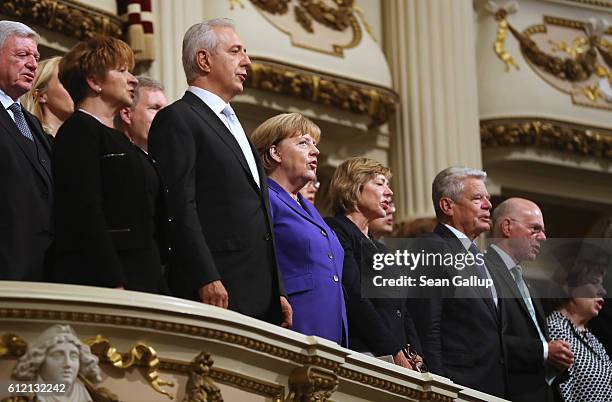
x,y
413,357
534,229
314,184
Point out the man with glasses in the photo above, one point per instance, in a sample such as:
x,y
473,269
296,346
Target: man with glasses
x,y
532,360
309,191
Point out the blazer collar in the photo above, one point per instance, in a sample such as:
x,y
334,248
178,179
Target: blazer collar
x,y
305,209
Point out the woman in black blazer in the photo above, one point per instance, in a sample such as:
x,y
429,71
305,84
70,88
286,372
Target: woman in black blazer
x,y
109,205
360,193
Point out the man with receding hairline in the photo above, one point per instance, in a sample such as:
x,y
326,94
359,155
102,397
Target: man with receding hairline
x,y
532,360
221,234
25,173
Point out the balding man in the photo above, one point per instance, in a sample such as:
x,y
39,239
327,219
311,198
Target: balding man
x,y
532,360
25,169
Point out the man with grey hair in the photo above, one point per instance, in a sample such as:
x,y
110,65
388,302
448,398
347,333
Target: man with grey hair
x,y
532,359
25,175
135,121
457,324
221,234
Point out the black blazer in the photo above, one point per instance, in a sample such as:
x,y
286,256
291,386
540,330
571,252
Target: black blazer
x,y
220,227
26,231
374,325
459,327
522,345
107,235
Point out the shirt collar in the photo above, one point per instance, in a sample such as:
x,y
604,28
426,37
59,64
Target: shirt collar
x,y
504,256
212,100
461,236
6,100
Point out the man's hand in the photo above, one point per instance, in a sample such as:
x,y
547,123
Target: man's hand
x,y
214,293
287,312
560,355
401,360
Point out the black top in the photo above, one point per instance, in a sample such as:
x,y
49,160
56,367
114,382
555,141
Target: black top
x,y
375,325
109,209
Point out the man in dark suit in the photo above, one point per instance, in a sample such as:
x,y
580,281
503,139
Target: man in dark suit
x,y
25,170
221,234
458,326
532,360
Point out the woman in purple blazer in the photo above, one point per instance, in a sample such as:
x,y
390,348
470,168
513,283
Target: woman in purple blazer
x,y
308,252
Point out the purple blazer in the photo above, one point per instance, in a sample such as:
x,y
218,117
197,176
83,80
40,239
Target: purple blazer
x,y
310,259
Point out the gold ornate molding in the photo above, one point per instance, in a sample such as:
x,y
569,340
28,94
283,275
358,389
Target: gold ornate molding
x,y
140,354
12,345
375,102
311,384
64,16
305,13
200,387
596,3
547,134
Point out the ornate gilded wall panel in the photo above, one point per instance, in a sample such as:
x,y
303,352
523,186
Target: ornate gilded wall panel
x,y
320,25
64,16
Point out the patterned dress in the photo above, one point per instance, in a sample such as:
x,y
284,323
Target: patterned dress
x,y
590,377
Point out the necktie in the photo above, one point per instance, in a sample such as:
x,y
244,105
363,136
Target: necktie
x,y
20,121
238,132
517,273
481,271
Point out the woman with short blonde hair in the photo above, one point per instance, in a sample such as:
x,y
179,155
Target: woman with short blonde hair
x,y
308,252
48,100
360,193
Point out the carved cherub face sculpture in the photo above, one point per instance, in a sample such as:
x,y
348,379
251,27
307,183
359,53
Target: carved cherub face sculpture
x,y
61,364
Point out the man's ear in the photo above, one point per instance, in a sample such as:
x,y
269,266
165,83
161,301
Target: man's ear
x,y
505,227
274,154
446,206
203,60
126,116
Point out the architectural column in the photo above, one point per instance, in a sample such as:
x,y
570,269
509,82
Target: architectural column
x,y
430,46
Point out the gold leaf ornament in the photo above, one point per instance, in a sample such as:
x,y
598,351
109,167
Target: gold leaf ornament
x,y
500,13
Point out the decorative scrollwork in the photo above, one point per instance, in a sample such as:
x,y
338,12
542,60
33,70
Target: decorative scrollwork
x,y
377,103
547,134
200,387
64,16
273,6
311,384
337,19
12,345
140,354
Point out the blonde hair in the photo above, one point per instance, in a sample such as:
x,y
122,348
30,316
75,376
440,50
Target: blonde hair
x,y
94,56
278,128
348,181
30,100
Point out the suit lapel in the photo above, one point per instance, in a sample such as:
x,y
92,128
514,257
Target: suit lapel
x,y
26,145
457,248
212,120
291,203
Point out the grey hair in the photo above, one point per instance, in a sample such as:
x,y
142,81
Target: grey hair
x,y
201,36
14,28
145,82
449,183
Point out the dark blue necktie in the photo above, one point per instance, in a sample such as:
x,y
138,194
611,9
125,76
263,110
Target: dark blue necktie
x,y
20,121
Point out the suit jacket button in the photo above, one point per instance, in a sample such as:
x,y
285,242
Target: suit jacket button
x,y
336,278
324,233
169,220
398,313
330,255
267,237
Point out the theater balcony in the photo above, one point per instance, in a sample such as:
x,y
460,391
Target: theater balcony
x,y
154,348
